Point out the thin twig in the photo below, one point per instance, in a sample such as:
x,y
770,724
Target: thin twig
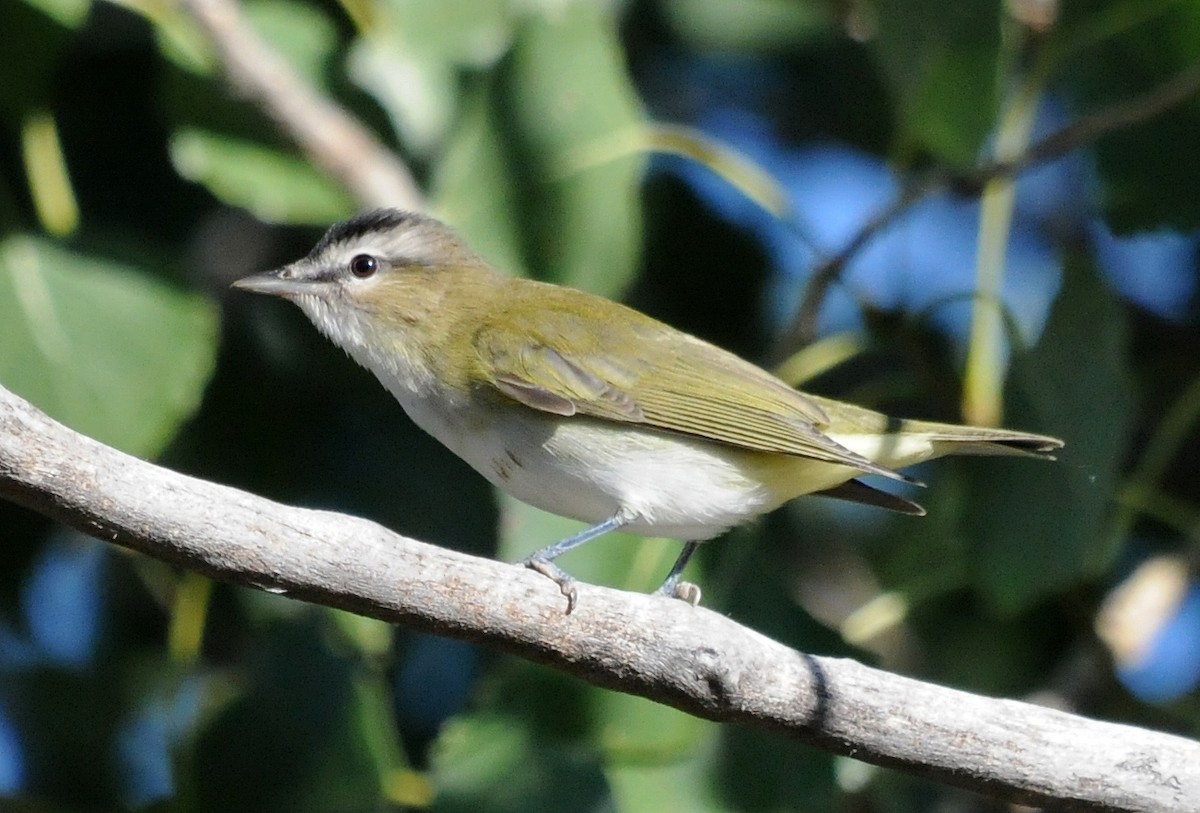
x,y
1175,91
331,137
687,657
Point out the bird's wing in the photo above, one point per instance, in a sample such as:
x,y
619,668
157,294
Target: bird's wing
x,y
551,360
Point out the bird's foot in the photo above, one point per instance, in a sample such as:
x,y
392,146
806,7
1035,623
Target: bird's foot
x,y
684,591
557,575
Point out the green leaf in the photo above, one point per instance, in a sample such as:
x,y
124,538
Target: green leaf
x,y
1036,527
537,171
410,55
69,13
635,730
274,185
474,187
758,770
754,25
33,47
110,352
1149,170
566,88
682,785
941,62
491,762
299,32
300,737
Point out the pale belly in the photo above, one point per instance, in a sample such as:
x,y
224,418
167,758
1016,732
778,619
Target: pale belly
x,y
662,484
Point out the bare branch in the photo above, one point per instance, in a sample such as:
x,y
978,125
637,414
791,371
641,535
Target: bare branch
x,y
687,657
1121,115
326,133
1172,93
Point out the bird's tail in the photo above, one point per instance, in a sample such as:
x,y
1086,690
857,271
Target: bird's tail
x,y
949,439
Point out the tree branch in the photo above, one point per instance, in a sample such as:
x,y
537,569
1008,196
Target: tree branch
x,y
325,132
1118,116
687,657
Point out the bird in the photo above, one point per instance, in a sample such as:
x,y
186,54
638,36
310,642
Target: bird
x,y
590,409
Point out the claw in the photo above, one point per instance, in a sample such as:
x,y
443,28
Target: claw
x,y
555,574
689,592
684,591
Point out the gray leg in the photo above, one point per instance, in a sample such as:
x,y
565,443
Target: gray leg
x,y
675,588
543,560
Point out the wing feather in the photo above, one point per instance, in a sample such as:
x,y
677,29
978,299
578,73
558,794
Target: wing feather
x,y
550,359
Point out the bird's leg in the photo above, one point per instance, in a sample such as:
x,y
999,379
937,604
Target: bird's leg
x,y
673,587
543,560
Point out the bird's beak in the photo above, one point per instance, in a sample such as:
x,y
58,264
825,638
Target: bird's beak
x,y
279,282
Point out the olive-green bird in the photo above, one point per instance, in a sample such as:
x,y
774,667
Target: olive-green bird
x,y
587,408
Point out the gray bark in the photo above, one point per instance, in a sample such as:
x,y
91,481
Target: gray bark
x,y
683,656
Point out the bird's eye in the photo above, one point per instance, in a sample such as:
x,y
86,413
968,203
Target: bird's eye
x,y
363,266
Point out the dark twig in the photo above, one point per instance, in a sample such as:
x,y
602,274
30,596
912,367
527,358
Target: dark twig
x,y
1175,91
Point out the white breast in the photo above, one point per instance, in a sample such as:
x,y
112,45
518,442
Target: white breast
x,y
590,470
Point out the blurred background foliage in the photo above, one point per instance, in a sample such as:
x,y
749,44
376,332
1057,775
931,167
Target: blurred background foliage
x,y
700,159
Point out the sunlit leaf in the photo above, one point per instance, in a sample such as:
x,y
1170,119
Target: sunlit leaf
x,y
110,352
474,186
566,86
69,13
747,24
301,33
410,54
276,186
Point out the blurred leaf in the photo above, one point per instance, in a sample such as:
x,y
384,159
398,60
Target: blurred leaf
x,y
953,107
739,171
742,25
968,647
46,168
1149,170
942,62
302,737
33,47
410,54
758,770
473,186
180,38
1036,527
301,33
566,86
273,185
69,13
113,353
681,785
633,729
488,762
229,145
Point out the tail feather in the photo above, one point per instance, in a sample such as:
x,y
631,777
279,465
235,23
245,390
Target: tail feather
x,y
975,440
860,492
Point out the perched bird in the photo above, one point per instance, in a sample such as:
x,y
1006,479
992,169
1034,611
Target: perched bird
x,y
587,408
